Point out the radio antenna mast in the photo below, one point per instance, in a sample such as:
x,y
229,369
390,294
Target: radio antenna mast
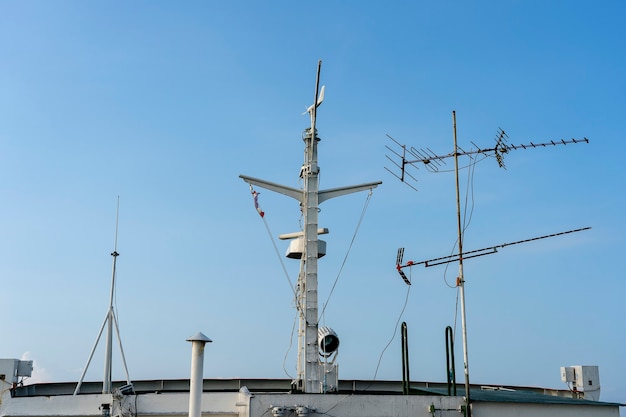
x,y
460,281
110,320
433,162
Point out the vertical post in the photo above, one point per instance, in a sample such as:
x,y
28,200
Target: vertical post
x,y
406,377
450,371
312,383
197,364
106,381
301,299
310,178
460,280
108,355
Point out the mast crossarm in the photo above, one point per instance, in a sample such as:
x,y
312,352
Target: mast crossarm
x,y
282,189
338,192
299,194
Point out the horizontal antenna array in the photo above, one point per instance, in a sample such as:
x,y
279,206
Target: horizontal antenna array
x,y
469,254
433,162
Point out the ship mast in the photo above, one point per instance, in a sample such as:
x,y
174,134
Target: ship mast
x,y
308,285
309,378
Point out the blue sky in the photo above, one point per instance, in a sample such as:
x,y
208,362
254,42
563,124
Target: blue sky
x,y
164,104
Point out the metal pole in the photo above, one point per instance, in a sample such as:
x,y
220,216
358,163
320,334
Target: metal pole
x,y
108,355
460,279
310,209
197,364
106,381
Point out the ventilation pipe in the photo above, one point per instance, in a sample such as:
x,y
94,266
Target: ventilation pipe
x,y
197,365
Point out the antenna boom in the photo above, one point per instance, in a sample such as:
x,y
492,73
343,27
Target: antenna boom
x,y
478,252
432,162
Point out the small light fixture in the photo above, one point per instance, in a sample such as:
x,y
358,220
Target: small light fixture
x,y
278,411
327,340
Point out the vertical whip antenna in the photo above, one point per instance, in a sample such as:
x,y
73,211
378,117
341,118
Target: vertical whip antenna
x,y
110,321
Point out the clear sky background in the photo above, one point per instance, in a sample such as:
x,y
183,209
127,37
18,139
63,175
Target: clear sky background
x,y
164,104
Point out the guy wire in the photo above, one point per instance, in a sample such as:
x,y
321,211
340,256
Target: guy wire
x,y
356,230
293,328
469,191
395,329
280,259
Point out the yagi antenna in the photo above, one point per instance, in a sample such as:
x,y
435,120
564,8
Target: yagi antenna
x,y
469,254
403,157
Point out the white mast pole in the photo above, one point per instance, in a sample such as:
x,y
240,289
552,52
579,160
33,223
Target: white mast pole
x,y
108,355
310,197
310,176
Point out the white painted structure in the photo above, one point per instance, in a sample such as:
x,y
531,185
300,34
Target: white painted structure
x,y
266,398
308,248
197,368
584,380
